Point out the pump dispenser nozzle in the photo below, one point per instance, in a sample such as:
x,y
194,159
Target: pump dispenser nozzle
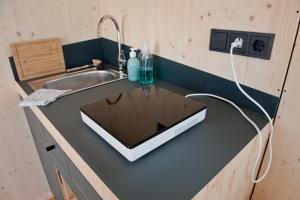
x,y
146,47
132,53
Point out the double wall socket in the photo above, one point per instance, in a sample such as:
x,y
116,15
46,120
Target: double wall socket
x,y
258,45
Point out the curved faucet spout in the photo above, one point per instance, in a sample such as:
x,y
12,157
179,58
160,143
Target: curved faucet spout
x,y
121,57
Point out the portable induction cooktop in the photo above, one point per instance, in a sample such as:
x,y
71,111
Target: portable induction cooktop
x,y
137,121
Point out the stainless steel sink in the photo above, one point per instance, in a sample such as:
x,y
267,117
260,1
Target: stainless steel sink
x,y
84,80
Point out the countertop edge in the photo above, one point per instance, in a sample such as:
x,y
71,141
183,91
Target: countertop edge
x,y
99,186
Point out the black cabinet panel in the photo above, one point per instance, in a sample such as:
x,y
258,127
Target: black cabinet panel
x,y
38,134
57,153
68,180
35,127
54,161
82,183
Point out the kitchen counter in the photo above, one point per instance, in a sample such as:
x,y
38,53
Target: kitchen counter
x,y
178,169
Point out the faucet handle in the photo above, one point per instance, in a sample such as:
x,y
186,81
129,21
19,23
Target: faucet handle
x,y
121,61
122,57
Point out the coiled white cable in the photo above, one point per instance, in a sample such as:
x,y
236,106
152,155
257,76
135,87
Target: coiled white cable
x,y
238,44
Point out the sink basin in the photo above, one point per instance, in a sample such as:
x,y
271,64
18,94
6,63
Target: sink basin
x,y
84,80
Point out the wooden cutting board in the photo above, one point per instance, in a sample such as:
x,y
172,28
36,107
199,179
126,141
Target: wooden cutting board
x,y
38,58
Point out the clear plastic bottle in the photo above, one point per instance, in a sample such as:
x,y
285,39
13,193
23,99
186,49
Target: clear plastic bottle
x,y
146,65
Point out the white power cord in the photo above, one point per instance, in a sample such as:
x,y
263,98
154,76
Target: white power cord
x,y
238,43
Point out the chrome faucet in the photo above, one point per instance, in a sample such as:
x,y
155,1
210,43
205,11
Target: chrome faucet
x,y
121,57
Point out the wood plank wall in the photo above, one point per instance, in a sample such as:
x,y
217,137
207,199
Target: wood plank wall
x,y
21,175
180,30
283,181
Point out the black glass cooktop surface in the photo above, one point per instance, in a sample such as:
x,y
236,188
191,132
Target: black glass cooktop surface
x,y
135,116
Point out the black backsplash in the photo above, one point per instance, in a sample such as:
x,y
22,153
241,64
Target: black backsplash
x,y
196,80
81,53
75,54
13,68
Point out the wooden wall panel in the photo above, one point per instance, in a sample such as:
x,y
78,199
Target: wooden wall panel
x,y
283,181
21,175
180,30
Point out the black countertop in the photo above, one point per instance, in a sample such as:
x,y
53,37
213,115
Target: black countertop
x,y
178,169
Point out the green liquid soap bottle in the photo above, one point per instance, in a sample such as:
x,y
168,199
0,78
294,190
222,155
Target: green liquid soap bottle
x,y
133,65
146,65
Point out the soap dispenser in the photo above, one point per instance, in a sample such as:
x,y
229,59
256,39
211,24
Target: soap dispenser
x,y
133,66
146,65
